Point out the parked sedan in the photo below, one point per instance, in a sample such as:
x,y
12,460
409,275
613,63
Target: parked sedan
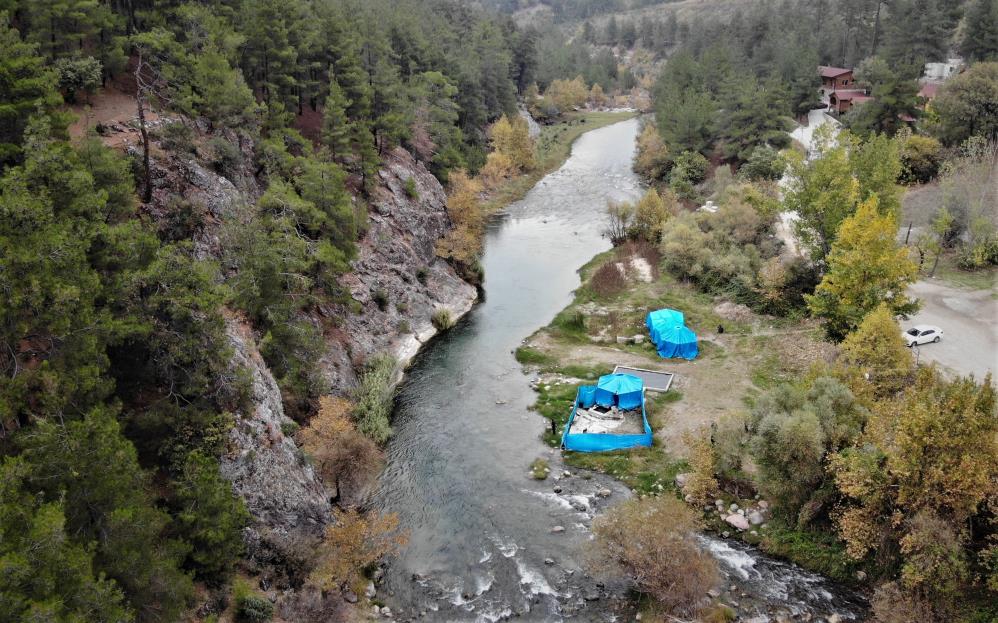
x,y
922,334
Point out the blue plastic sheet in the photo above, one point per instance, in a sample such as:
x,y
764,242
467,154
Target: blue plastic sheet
x,y
589,395
622,390
672,338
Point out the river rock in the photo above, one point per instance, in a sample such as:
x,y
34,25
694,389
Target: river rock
x,y
558,529
549,561
835,618
370,591
386,612
349,596
733,508
638,339
713,593
737,521
861,575
682,479
604,493
763,504
622,339
755,518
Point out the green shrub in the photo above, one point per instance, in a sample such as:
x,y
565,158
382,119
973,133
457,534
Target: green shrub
x,y
404,327
570,323
251,606
225,157
421,275
374,397
380,298
532,356
178,137
410,189
442,319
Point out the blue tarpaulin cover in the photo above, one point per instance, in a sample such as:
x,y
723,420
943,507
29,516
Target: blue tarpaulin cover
x,y
622,390
671,336
663,319
619,389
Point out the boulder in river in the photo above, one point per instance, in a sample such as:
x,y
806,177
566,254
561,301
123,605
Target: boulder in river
x,y
558,529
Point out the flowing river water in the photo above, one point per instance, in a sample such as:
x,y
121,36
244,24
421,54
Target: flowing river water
x,y
486,542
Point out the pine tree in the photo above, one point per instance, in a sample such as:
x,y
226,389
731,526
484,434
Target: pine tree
x,y
47,576
756,117
980,37
337,131
96,471
866,268
25,85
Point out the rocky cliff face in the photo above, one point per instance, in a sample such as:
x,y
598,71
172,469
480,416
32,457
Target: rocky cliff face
x,y
396,281
397,277
266,468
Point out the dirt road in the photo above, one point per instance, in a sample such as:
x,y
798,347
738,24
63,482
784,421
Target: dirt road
x,y
969,320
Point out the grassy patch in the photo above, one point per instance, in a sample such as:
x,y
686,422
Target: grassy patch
x,y
818,551
648,471
532,357
983,279
539,469
554,145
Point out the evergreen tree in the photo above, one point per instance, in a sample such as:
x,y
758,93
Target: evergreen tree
x,y
685,121
965,105
209,517
980,35
755,118
25,85
337,131
46,575
95,470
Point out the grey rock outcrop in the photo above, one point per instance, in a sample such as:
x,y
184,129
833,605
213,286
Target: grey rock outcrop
x,y
397,277
266,468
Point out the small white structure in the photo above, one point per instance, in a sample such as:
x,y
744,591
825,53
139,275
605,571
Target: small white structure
x,y
708,207
938,72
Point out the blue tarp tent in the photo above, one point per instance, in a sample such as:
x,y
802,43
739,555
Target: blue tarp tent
x,y
671,336
661,319
622,390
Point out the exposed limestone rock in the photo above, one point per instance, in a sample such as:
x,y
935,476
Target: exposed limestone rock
x,y
397,257
266,469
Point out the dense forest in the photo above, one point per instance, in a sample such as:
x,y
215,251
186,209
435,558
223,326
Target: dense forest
x,y
118,384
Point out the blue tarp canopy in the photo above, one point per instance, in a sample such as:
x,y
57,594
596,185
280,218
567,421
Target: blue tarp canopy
x,y
671,336
622,390
626,389
661,319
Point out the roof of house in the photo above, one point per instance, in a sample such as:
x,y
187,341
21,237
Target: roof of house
x,y
832,72
853,95
928,90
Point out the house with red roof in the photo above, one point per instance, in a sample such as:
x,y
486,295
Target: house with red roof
x,y
833,78
840,101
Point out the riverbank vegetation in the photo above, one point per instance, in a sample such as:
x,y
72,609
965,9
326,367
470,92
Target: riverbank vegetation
x,y
819,416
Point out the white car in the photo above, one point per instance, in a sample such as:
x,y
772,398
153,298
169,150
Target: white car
x,y
922,334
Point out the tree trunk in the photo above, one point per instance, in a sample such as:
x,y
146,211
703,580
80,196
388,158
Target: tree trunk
x,y
139,99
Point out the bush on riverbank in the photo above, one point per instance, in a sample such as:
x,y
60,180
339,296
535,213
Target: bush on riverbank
x,y
374,397
652,542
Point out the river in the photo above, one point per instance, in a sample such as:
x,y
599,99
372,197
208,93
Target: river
x,y
487,542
